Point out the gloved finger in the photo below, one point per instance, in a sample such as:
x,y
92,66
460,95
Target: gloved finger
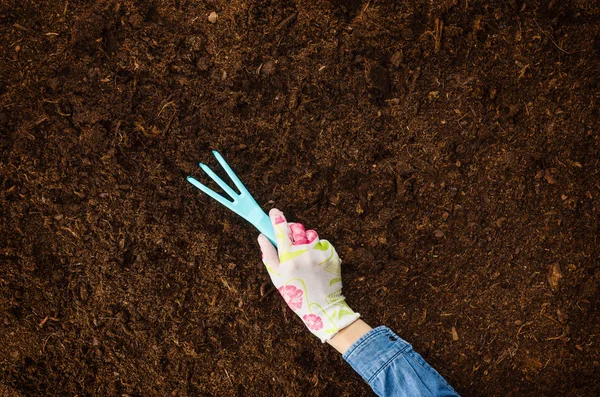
x,y
280,225
269,252
298,233
311,236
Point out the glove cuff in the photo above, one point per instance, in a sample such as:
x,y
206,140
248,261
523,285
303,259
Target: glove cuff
x,y
326,322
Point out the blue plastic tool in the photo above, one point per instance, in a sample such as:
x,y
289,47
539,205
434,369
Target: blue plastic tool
x,y
242,204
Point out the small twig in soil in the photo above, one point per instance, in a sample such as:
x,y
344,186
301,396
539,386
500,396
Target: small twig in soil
x,y
169,123
550,318
439,28
169,102
46,341
554,42
228,378
21,27
286,21
61,113
413,83
229,287
557,337
164,107
70,231
43,321
523,326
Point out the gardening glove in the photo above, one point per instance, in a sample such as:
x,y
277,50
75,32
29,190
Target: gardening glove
x,y
306,271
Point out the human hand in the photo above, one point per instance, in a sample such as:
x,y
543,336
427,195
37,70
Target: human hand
x,y
307,273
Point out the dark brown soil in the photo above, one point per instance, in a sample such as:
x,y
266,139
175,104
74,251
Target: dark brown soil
x,y
448,149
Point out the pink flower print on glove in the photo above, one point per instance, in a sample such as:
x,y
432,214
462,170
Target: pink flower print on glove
x,y
313,322
292,296
279,218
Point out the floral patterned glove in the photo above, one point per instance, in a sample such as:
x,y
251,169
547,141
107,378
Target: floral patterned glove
x,y
307,273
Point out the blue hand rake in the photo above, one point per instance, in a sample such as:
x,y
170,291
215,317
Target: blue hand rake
x,y
243,204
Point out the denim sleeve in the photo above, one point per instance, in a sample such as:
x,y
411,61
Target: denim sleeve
x,y
392,368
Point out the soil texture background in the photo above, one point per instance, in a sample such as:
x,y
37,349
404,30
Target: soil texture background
x,y
448,149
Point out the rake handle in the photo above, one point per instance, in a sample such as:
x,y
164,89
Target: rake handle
x,y
262,222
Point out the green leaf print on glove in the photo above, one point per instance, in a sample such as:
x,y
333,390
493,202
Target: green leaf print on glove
x,y
307,273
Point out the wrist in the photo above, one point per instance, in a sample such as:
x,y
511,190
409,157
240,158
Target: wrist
x,y
348,335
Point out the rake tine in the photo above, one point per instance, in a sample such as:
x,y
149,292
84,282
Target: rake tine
x,y
231,174
212,194
219,181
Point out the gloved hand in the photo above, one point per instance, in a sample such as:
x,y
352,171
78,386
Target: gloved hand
x,y
307,273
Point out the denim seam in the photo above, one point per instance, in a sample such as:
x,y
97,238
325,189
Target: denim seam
x,y
428,368
384,366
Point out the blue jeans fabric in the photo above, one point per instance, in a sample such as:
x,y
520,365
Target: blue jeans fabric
x,y
392,368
